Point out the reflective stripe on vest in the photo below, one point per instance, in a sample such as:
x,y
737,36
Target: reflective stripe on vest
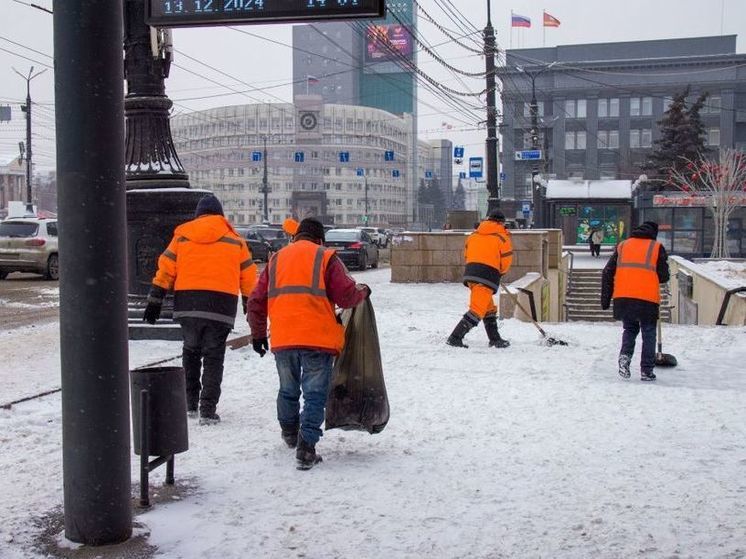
x,y
637,274
313,289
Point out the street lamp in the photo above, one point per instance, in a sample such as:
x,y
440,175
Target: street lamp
x,y
27,110
534,112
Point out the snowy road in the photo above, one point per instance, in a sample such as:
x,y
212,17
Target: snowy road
x,y
531,451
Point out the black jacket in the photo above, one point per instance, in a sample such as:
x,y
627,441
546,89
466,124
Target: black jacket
x,y
628,307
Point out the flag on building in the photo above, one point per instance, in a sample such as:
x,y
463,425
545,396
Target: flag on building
x,y
519,21
550,20
312,80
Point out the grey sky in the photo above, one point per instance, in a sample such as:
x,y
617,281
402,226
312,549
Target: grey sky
x,y
259,63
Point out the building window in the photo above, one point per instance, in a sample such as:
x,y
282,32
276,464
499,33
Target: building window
x,y
641,106
607,175
713,137
575,108
641,138
667,102
608,139
575,140
608,108
712,105
539,107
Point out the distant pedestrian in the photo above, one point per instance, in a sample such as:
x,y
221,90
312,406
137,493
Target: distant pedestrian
x,y
595,239
298,291
632,277
489,254
207,264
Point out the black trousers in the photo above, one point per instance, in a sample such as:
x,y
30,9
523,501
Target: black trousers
x,y
204,344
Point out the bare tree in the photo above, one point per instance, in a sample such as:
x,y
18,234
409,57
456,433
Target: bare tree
x,y
722,185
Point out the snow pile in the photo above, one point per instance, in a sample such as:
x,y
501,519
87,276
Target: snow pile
x,y
530,451
728,274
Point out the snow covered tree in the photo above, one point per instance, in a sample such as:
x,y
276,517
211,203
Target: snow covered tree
x,y
682,136
721,183
431,194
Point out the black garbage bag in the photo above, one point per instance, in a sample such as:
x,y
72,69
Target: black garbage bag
x,y
357,393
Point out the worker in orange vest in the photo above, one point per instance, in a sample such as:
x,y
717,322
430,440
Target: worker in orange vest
x,y
298,291
207,264
632,278
489,254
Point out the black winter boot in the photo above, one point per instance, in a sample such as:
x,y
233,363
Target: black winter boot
x,y
289,434
306,455
456,338
490,325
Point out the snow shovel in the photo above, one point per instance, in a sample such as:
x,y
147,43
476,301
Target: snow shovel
x,y
663,359
548,339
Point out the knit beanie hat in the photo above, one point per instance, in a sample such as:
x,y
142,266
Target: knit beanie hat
x,y
311,227
496,215
209,205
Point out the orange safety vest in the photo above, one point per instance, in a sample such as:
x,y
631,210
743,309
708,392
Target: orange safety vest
x,y
489,254
299,309
636,270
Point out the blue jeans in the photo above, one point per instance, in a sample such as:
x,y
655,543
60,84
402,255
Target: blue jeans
x,y
310,371
631,329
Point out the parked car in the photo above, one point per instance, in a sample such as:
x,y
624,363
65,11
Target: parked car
x,y
260,248
29,244
354,247
373,233
384,237
275,236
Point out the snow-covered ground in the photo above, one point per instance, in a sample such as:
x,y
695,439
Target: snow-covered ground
x,y
531,451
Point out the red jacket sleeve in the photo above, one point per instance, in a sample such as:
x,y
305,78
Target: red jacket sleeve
x,y
257,308
340,287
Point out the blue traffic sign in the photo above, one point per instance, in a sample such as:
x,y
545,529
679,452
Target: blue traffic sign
x,y
458,152
503,177
462,174
299,157
528,155
428,174
344,156
476,164
360,172
256,155
395,173
388,156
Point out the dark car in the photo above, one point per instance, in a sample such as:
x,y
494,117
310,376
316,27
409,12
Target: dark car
x,y
260,248
354,247
275,236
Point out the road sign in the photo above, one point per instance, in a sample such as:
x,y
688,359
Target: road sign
x,y
503,177
5,114
528,155
299,157
344,156
458,152
476,164
360,172
395,173
189,13
462,174
388,156
428,174
525,206
256,155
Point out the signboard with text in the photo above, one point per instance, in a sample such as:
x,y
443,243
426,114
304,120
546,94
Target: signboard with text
x,y
528,155
476,165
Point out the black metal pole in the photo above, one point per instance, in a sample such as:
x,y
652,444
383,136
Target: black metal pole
x,y
366,198
29,159
144,449
93,278
493,199
535,194
265,184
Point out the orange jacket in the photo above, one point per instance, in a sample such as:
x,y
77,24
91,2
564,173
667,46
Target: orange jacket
x,y
298,305
636,274
489,254
207,264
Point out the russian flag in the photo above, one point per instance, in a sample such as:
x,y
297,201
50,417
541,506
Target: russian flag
x,y
519,21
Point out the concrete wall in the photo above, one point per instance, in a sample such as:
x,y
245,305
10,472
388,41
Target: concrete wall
x,y
708,293
439,257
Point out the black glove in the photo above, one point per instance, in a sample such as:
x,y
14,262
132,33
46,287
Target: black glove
x,y
245,305
260,345
152,313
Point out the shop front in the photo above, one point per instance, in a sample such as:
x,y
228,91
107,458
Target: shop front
x,y
578,207
685,224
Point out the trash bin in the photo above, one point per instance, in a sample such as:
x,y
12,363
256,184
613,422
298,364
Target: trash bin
x,y
167,415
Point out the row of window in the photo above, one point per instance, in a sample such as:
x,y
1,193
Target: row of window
x,y
638,138
609,107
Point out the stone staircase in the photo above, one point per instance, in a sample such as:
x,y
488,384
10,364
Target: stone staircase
x,y
583,300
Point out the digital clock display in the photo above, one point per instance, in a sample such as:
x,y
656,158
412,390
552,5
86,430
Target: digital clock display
x,y
186,13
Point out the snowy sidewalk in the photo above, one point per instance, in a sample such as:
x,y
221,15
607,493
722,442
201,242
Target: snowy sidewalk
x,y
531,451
